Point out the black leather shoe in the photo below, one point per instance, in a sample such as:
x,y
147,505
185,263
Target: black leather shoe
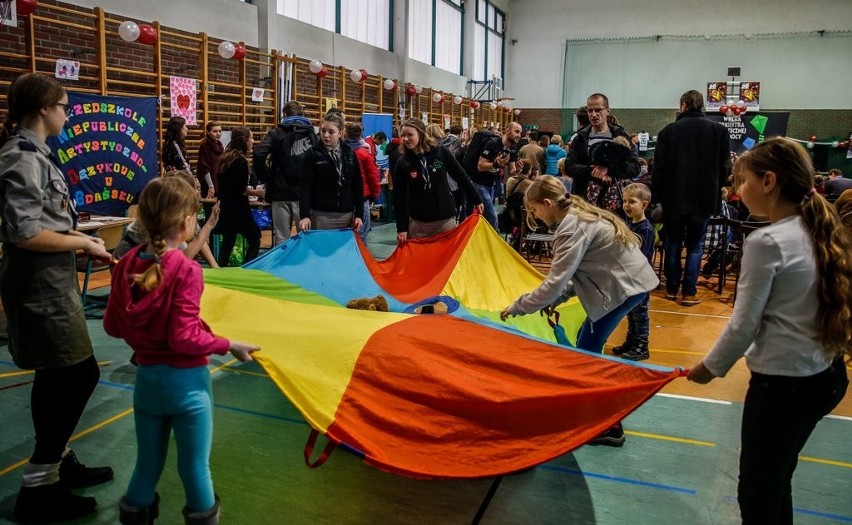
x,y
75,475
53,502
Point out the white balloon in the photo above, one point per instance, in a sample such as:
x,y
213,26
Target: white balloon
x,y
388,84
315,66
517,112
493,106
810,145
128,31
457,100
835,144
418,89
227,49
437,97
741,104
355,75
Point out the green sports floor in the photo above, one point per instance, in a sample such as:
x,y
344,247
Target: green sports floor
x,y
679,465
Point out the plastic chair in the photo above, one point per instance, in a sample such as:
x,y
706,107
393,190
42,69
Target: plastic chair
x,y
111,235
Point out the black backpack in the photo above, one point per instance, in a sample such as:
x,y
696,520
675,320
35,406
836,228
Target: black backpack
x,y
474,148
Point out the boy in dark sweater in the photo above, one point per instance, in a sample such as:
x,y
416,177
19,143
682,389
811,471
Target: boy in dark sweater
x,y
636,198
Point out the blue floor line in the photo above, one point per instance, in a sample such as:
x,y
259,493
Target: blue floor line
x,y
261,414
607,477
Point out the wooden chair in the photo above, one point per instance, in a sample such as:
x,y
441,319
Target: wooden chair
x,y
721,223
740,230
111,235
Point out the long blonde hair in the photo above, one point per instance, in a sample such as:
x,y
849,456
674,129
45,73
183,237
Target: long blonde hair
x,y
163,206
831,241
547,187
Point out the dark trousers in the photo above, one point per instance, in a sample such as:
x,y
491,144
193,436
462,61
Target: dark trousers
x,y
684,231
638,323
58,399
778,417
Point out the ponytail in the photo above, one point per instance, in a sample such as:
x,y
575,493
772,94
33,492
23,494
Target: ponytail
x,y
151,277
833,254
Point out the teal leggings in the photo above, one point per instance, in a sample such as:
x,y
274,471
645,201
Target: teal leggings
x,y
180,399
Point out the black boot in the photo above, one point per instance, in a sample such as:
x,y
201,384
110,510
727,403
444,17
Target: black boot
x,y
75,475
639,352
206,517
625,346
54,502
130,515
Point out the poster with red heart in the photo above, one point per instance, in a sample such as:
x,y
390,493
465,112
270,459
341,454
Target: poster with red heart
x,y
183,98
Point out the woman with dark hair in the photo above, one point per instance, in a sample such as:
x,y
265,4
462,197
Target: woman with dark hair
x,y
422,198
174,147
331,195
41,297
208,159
234,191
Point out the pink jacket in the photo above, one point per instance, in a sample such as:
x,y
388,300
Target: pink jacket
x,y
162,326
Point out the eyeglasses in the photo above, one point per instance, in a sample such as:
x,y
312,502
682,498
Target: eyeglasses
x,y
596,110
65,107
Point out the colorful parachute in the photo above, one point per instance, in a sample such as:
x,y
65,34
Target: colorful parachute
x,y
457,395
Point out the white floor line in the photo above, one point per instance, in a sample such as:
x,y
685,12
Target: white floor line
x,y
842,418
693,315
690,398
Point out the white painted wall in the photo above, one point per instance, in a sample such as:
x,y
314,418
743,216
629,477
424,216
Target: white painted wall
x,y
644,75
226,19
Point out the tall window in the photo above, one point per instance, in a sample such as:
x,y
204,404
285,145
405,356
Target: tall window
x,y
367,21
489,41
435,33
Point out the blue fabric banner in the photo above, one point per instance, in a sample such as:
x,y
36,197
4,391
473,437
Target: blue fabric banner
x,y
107,150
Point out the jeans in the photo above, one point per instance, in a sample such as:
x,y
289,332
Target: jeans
x,y
180,399
284,214
365,227
779,414
593,335
486,193
683,231
637,321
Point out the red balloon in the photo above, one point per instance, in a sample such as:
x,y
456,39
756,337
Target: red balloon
x,y
239,52
813,138
410,90
474,104
736,110
363,75
322,73
723,109
25,7
147,35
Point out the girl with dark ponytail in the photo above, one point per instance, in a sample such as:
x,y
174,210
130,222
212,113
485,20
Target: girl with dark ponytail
x,y
792,321
41,297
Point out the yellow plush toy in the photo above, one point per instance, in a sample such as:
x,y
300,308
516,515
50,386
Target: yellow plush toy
x,y
377,303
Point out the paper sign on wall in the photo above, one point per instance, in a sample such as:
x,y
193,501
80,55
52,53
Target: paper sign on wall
x,y
67,69
183,102
257,94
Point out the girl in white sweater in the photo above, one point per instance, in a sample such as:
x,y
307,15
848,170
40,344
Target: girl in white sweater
x,y
792,321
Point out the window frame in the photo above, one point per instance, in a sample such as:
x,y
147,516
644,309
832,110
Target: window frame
x,y
493,20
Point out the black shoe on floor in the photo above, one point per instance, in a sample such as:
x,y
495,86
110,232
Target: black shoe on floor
x,y
621,349
75,475
614,437
636,354
53,502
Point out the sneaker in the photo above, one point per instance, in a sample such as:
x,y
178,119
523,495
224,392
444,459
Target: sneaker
x,y
53,502
75,475
614,437
636,354
690,300
671,296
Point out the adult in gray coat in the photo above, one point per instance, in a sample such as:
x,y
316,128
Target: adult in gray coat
x,y
691,163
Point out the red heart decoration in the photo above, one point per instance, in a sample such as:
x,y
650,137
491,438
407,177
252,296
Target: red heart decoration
x,y
183,102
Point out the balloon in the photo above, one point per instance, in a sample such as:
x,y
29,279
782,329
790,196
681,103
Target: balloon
x,y
507,109
723,110
730,112
239,52
741,104
418,89
810,145
410,90
322,73
128,31
493,106
735,110
474,104
315,66
25,7
813,138
457,100
147,35
227,50
743,109
363,74
517,112
835,144
355,75
437,98
389,84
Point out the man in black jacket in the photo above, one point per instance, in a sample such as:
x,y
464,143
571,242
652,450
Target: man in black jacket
x,y
691,164
278,164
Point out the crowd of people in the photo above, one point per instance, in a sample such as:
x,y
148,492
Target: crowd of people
x,y
791,320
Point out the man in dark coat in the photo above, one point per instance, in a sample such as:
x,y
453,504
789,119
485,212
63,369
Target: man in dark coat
x,y
692,162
